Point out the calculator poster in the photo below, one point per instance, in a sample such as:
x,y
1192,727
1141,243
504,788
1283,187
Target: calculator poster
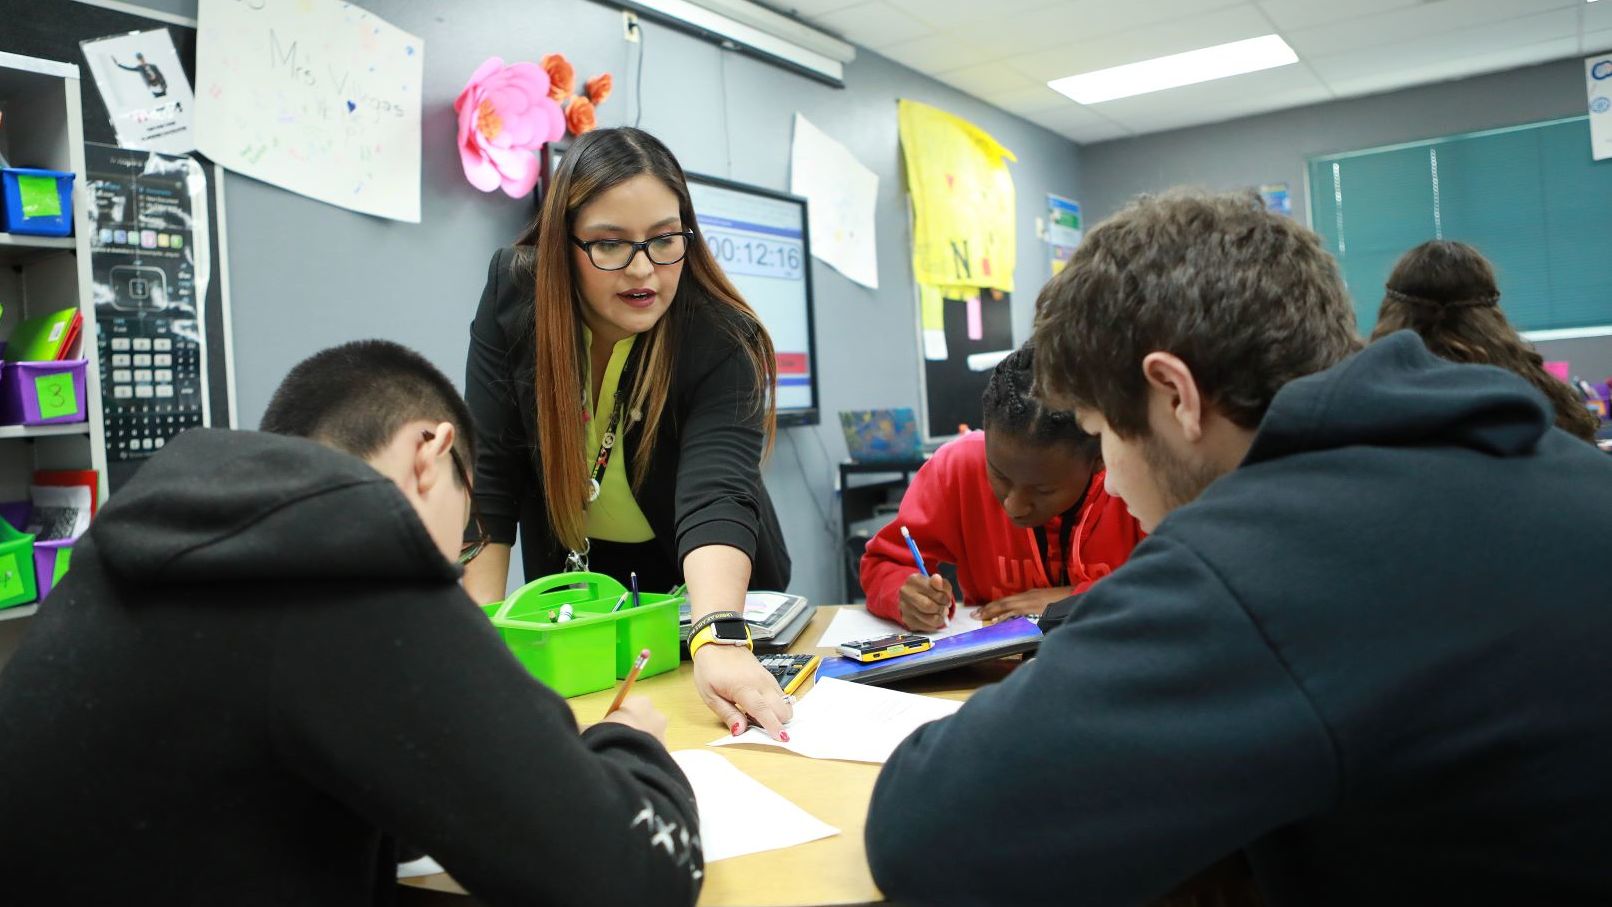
x,y
150,266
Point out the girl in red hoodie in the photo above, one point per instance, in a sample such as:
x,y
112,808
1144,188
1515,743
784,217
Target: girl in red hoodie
x,y
1019,508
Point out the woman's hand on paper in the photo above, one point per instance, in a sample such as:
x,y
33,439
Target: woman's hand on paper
x,y
739,690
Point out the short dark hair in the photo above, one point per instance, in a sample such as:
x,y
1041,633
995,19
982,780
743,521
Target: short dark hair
x,y
1011,407
356,396
1248,298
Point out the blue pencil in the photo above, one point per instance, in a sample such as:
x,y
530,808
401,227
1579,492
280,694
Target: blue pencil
x,y
913,547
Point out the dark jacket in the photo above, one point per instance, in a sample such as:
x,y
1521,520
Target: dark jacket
x,y
1376,655
258,664
704,486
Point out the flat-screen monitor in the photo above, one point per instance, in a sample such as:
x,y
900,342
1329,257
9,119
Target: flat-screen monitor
x,y
759,238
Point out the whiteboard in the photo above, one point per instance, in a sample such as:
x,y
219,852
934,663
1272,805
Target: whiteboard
x,y
315,96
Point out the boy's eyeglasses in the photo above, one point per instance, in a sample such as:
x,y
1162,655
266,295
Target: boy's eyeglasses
x,y
616,254
471,549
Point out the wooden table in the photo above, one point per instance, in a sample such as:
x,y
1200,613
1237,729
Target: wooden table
x,y
833,870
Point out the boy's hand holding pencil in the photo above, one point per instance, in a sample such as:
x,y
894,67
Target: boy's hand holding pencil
x,y
926,602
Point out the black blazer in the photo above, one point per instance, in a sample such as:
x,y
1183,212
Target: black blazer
x,y
704,486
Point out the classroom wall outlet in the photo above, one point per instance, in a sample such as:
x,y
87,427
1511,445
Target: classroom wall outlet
x,y
629,26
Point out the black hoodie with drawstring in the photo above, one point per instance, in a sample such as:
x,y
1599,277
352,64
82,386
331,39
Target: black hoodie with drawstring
x,y
1377,656
260,663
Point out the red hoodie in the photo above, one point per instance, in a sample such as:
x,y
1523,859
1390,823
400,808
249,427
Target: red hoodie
x,y
955,518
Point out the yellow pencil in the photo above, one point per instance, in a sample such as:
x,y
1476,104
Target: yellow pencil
x,y
626,685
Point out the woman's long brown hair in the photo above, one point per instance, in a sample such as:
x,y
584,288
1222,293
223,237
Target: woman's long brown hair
x,y
1446,292
595,163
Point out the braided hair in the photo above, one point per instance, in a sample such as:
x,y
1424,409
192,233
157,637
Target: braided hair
x,y
1012,408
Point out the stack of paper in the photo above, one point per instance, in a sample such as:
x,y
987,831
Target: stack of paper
x,y
851,721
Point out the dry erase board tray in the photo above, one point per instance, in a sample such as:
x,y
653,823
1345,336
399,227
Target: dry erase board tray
x,y
1010,637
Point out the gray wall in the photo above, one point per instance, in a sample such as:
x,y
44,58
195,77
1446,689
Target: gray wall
x,y
1273,148
304,275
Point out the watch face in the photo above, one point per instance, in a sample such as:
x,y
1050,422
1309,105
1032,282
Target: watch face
x,y
729,630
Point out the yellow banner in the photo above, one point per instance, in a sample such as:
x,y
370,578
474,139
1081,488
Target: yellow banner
x,y
962,200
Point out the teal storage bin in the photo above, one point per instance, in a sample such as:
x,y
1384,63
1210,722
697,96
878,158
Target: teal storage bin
x,y
597,646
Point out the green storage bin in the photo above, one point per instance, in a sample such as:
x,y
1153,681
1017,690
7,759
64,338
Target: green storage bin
x,y
597,646
18,585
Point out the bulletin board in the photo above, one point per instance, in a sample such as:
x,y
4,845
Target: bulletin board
x,y
56,36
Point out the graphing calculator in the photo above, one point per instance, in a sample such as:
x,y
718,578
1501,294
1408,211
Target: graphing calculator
x,y
150,378
881,647
789,670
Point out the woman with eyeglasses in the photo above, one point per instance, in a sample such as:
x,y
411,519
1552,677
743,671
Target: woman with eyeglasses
x,y
624,399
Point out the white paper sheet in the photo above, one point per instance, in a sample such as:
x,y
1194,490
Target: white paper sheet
x,y
315,96
424,866
740,815
851,721
856,623
147,94
842,194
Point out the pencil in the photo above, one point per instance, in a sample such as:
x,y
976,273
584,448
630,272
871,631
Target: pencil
x,y
913,547
633,578
626,685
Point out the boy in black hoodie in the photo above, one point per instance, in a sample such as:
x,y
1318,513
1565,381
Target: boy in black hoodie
x,y
1367,640
262,661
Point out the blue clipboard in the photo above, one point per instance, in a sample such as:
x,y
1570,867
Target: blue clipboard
x,y
1010,637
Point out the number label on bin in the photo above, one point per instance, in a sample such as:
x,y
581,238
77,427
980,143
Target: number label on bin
x,y
40,197
56,397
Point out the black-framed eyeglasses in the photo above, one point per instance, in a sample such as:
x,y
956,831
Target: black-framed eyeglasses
x,y
468,552
616,254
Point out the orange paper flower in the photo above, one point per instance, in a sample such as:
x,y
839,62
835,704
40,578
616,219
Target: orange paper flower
x,y
562,76
579,117
599,88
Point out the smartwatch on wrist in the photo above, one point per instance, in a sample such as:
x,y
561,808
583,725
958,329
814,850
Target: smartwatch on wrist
x,y
722,628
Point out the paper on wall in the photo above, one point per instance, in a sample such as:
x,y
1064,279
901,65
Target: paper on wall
x,y
147,94
851,721
740,815
315,96
841,195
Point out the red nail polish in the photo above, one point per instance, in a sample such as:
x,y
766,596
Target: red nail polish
x,y
784,736
737,729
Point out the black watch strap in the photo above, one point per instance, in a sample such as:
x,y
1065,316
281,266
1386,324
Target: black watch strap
x,y
712,618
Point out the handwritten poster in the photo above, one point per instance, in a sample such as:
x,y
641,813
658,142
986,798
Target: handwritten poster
x,y
841,193
1598,81
316,96
962,201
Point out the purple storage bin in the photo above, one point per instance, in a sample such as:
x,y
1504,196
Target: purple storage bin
x,y
48,557
37,393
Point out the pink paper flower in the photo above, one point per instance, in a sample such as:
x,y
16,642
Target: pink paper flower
x,y
505,114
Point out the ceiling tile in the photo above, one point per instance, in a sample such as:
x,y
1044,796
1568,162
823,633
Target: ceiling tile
x,y
1420,71
805,9
1288,15
1596,42
1598,16
984,78
1420,22
1096,132
874,25
1035,99
1221,27
932,53
1446,48
1073,22
952,14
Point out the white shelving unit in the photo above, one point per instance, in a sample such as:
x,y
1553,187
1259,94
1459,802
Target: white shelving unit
x,y
43,127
